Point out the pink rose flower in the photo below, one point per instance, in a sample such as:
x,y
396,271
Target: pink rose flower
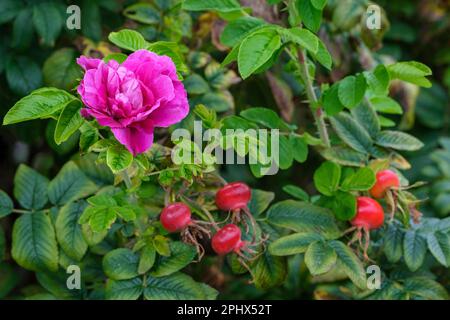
x,y
134,97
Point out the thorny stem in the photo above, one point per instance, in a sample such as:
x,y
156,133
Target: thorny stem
x,y
316,110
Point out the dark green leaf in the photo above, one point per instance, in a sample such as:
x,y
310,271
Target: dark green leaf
x,y
181,255
121,264
34,244
320,258
303,217
30,188
352,133
398,140
6,204
70,184
293,244
68,230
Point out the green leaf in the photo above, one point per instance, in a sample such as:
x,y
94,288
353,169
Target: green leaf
x,y
303,217
296,192
260,201
125,213
236,30
299,148
414,249
350,264
119,57
170,49
215,5
124,289
320,258
70,184
386,105
256,49
310,15
91,26
177,286
68,231
30,188
34,244
41,103
368,118
362,180
323,56
195,84
327,177
9,9
181,255
378,80
352,133
69,121
92,238
293,244
9,277
56,284
342,204
147,259
386,122
286,156
118,158
161,245
89,135
425,288
128,39
22,30
48,21
121,264
142,12
319,4
439,246
302,37
352,90
398,140
393,243
6,204
265,117
331,102
268,271
411,71
23,75
60,70
100,218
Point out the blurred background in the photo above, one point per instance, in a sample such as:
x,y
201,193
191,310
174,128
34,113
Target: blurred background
x,y
37,49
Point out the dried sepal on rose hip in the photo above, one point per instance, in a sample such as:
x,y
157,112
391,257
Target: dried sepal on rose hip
x,y
234,197
177,217
386,180
369,216
387,186
228,239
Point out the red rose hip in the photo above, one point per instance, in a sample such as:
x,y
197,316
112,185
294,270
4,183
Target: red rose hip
x,y
386,179
369,214
227,239
233,196
176,217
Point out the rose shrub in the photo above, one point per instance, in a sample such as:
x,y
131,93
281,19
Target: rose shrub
x,y
140,225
